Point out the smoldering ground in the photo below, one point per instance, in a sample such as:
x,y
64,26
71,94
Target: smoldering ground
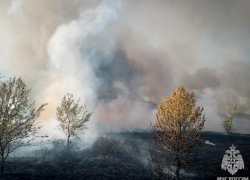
x,y
122,155
122,57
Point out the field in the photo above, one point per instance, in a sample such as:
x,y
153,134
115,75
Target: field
x,y
129,162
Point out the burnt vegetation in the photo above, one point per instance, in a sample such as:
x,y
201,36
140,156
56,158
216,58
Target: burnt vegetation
x,y
125,155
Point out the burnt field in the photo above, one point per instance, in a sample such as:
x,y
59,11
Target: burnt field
x,y
126,158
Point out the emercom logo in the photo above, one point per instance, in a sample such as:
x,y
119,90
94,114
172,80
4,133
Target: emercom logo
x,y
232,178
232,161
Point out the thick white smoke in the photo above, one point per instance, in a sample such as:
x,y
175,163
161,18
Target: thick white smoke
x,y
122,57
72,54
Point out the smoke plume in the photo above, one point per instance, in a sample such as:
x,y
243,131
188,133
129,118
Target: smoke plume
x,y
121,57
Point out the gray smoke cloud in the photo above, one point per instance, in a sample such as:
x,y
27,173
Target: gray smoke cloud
x,y
121,57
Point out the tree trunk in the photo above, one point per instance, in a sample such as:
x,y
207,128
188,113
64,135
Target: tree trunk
x,y
69,134
68,143
177,173
1,168
2,164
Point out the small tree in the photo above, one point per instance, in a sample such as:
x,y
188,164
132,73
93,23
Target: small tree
x,y
227,122
72,117
17,117
178,125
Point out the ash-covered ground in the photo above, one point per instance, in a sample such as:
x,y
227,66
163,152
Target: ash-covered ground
x,y
124,156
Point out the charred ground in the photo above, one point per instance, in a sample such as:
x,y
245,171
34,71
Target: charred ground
x,y
127,160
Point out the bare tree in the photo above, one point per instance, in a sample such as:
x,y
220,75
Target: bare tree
x,y
17,117
72,117
227,122
178,126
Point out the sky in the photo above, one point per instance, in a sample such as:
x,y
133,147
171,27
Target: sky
x,y
122,57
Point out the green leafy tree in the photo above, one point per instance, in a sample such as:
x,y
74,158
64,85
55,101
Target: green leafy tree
x,y
17,117
227,122
178,126
72,117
